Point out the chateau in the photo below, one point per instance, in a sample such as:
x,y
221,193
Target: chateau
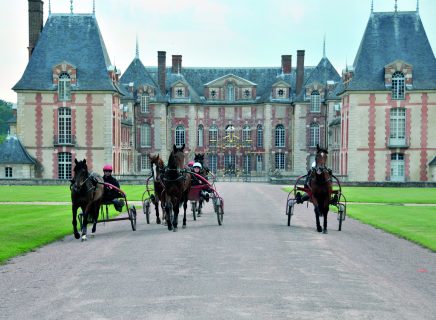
x,y
375,117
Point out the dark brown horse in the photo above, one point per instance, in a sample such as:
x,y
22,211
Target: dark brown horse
x,y
321,186
86,193
157,167
177,183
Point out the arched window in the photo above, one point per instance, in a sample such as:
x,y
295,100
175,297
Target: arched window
x,y
315,102
64,126
64,87
213,136
314,134
246,135
200,135
230,135
145,139
280,136
260,136
230,92
64,165
180,136
398,86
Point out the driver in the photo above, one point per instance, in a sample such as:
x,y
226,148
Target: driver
x,y
111,195
196,168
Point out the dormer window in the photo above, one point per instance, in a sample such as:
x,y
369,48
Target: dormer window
x,y
213,94
230,92
315,102
398,86
144,103
64,87
180,93
246,93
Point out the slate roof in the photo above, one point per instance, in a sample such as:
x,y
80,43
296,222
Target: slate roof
x,y
391,36
73,38
432,162
12,151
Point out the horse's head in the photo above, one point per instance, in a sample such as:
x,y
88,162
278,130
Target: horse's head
x,y
177,158
81,174
320,159
199,157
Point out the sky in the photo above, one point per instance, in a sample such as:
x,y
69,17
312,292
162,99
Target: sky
x,y
210,33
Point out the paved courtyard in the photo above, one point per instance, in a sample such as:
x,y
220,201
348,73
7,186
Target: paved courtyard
x,y
251,267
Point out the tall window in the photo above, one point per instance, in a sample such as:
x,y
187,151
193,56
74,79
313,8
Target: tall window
x,y
145,163
64,165
180,136
213,136
260,136
259,163
247,163
397,135
397,167
8,172
145,135
315,102
64,87
230,163
213,163
230,136
398,86
144,103
64,125
280,161
230,92
200,135
314,134
280,136
246,136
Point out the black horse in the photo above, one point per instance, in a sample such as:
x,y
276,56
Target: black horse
x,y
320,184
86,193
177,183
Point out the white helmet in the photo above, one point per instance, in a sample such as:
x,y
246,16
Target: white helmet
x,y
197,164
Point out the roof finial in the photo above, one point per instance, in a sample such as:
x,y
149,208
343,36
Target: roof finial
x,y
93,7
417,5
49,7
396,5
372,6
137,48
71,6
323,48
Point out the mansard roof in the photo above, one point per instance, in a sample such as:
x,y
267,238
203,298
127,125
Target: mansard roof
x,y
12,151
74,38
138,74
391,36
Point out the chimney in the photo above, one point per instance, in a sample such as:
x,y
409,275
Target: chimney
x,y
177,64
287,64
300,71
36,10
161,70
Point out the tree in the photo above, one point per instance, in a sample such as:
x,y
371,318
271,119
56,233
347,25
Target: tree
x,y
5,115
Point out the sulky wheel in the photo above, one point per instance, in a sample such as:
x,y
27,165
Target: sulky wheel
x,y
146,209
219,209
194,209
341,215
132,217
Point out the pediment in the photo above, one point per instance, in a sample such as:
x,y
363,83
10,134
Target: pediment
x,y
398,65
281,84
230,78
179,83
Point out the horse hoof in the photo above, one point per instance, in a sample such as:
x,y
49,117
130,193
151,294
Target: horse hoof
x,y
325,231
92,235
170,228
183,227
319,229
77,236
175,230
84,238
158,221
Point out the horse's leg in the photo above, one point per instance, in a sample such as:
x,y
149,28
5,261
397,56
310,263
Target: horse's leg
x,y
200,206
156,205
95,211
318,225
185,206
168,208
326,211
85,223
76,233
176,209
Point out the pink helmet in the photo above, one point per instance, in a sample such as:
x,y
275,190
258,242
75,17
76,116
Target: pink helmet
x,y
190,163
107,167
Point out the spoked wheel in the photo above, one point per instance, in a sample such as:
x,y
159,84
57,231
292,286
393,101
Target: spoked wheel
x,y
290,208
146,209
132,217
341,215
219,210
194,209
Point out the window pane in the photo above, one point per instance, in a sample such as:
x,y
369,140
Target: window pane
x,y
259,136
213,163
64,126
213,136
315,102
144,103
64,165
180,136
280,161
200,136
314,134
280,136
145,137
145,162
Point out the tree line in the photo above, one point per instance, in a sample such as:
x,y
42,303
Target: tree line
x,y
5,115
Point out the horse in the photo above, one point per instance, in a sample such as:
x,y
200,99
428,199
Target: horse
x,y
177,183
157,166
321,188
86,193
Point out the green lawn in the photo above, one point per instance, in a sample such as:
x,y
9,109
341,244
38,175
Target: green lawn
x,y
388,195
55,193
26,227
414,223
